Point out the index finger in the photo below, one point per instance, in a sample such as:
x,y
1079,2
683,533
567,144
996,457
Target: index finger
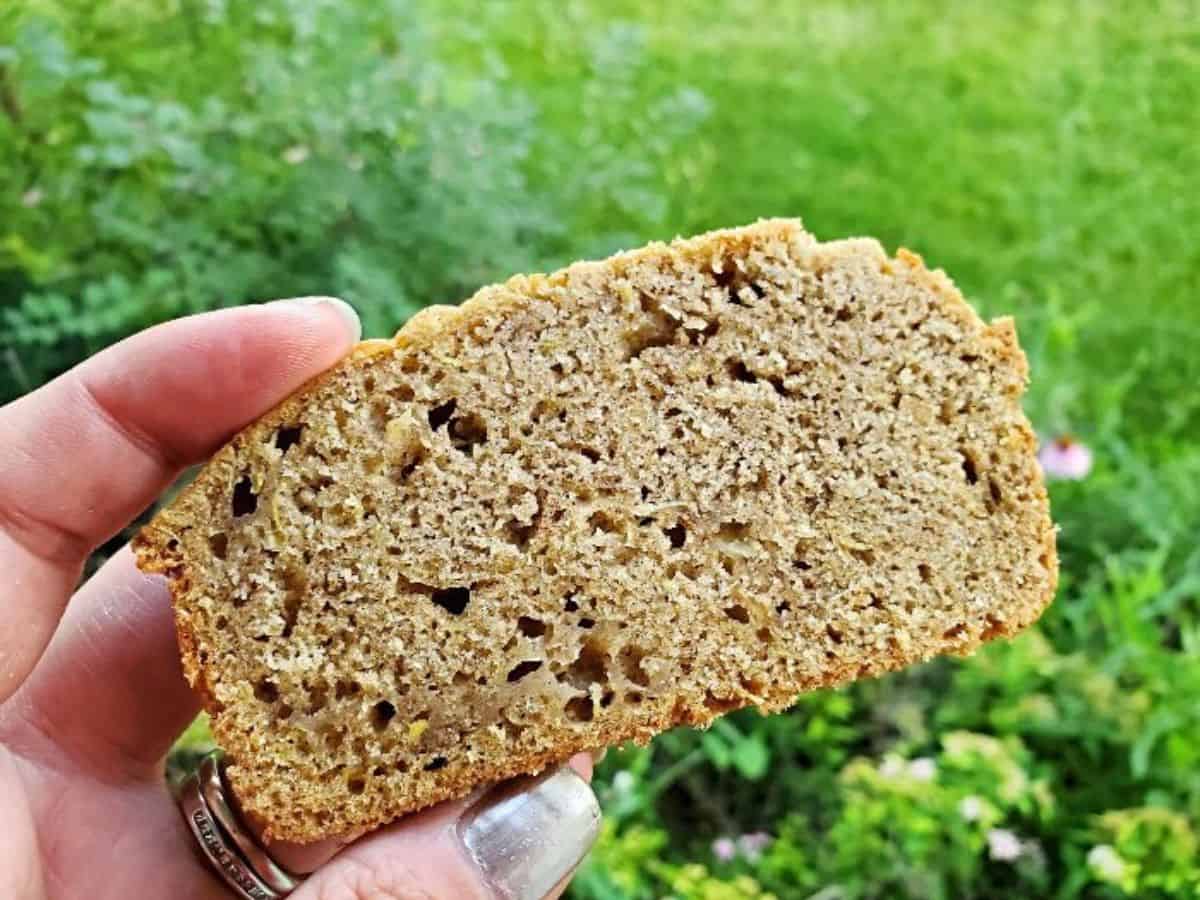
x,y
88,451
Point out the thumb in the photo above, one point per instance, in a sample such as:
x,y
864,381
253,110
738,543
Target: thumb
x,y
519,840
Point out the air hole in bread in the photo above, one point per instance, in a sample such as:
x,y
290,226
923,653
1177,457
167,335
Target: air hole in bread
x,y
657,329
739,372
864,555
676,534
518,534
266,690
531,627
738,613
440,415
245,500
294,582
968,466
438,762
733,531
995,493
381,714
453,600
521,669
579,709
589,667
720,704
466,432
318,696
834,634
602,521
218,544
631,657
287,437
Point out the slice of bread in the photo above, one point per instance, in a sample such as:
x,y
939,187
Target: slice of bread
x,y
582,508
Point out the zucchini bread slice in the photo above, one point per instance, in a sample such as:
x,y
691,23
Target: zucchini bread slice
x,y
585,507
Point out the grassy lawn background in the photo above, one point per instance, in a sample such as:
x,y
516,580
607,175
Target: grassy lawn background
x,y
1045,154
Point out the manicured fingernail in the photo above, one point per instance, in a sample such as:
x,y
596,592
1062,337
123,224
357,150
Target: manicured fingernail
x,y
529,834
341,307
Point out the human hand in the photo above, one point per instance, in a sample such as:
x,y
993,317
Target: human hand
x,y
91,692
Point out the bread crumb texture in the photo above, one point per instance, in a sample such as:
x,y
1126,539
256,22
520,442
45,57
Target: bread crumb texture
x,y
585,507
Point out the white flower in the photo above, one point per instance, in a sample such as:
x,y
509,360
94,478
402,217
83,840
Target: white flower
x,y
623,783
892,767
1003,845
31,198
1065,458
723,849
1106,863
970,808
922,769
295,155
753,844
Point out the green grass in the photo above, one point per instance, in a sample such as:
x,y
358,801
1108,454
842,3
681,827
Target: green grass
x,y
1045,154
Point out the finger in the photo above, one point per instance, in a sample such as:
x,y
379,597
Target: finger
x,y
109,691
88,451
521,839
306,858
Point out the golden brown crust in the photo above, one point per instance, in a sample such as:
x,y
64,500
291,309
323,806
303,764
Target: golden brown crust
x,y
159,548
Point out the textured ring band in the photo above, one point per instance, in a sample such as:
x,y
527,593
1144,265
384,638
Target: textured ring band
x,y
212,786
250,873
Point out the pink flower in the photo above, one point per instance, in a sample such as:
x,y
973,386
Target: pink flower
x,y
1065,458
724,849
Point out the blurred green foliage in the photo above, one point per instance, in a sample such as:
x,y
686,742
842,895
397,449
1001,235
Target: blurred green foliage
x,y
158,159
219,153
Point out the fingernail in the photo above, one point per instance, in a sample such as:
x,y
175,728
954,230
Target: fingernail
x,y
529,834
341,307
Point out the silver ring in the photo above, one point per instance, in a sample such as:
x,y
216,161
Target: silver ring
x,y
213,788
237,858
